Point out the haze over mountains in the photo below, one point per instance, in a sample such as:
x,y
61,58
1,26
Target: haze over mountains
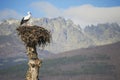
x,y
65,35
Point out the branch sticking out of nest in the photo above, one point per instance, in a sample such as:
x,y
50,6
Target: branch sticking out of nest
x,y
34,35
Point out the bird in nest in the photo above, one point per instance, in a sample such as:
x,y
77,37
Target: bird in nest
x,y
25,19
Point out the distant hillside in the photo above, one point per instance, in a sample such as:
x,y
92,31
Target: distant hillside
x,y
10,46
103,33
66,35
95,63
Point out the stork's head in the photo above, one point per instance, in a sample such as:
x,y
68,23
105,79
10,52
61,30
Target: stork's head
x,y
28,12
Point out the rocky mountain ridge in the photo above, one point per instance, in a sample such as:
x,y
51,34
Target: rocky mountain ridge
x,y
65,34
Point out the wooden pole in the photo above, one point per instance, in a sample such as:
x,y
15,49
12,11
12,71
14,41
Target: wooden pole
x,y
34,64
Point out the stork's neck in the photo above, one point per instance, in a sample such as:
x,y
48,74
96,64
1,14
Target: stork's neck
x,y
29,15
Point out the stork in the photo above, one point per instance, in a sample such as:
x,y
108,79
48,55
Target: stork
x,y
26,18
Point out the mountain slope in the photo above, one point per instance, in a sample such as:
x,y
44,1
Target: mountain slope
x,y
96,63
103,33
65,35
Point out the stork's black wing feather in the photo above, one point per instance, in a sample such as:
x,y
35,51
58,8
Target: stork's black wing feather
x,y
22,21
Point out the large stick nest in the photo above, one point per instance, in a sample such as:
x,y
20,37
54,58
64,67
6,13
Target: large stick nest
x,y
34,35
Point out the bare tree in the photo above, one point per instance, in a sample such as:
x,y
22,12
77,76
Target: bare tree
x,y
33,36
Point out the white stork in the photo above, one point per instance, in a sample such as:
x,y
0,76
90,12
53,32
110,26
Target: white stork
x,y
26,18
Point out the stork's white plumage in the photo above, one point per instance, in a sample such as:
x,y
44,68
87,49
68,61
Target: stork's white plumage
x,y
26,18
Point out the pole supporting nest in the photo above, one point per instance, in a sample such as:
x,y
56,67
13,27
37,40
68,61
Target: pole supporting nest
x,y
33,36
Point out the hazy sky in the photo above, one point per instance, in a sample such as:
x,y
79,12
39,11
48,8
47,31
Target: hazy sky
x,y
82,12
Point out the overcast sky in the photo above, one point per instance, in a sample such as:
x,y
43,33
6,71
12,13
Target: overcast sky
x,y
83,12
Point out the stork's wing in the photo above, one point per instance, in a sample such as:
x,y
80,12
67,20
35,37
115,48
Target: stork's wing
x,y
27,17
22,21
